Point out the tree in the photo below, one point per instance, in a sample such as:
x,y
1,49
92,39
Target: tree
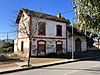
x,y
88,15
28,26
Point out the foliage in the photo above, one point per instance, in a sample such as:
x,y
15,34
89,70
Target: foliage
x,y
7,44
3,56
7,47
90,42
9,57
88,15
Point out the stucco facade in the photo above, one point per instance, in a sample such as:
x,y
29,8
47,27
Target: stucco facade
x,y
50,38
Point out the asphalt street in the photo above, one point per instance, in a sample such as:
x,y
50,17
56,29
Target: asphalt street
x,y
88,67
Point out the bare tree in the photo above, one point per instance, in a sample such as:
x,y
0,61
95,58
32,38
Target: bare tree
x,y
31,30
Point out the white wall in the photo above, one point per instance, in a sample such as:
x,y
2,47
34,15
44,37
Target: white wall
x,y
24,22
22,36
51,33
50,45
15,45
25,45
51,28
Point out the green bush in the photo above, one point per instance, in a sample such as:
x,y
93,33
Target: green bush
x,y
9,57
10,49
7,48
3,56
90,42
7,44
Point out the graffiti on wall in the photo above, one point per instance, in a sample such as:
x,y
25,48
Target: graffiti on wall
x,y
50,41
50,46
34,50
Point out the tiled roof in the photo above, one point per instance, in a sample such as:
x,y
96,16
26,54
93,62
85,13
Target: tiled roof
x,y
75,31
42,15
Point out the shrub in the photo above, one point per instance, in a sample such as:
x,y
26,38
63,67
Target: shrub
x,y
7,44
3,56
10,49
90,42
7,48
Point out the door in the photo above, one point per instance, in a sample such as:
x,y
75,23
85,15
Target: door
x,y
59,47
77,45
41,48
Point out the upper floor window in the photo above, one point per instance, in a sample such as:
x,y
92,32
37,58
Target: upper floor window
x,y
41,28
59,30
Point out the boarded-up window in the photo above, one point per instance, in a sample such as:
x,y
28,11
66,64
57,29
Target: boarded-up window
x,y
41,47
41,28
59,30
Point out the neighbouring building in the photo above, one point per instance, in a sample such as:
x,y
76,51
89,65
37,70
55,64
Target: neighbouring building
x,y
97,42
51,34
79,40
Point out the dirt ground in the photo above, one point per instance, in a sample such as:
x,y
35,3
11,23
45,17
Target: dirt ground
x,y
6,64
44,60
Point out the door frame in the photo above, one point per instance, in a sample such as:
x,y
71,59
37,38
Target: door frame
x,y
79,45
61,43
42,41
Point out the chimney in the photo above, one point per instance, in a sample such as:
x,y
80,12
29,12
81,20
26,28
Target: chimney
x,y
59,15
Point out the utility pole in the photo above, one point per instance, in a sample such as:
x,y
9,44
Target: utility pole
x,y
73,37
72,44
7,37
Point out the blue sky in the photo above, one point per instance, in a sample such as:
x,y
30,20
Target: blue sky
x,y
8,10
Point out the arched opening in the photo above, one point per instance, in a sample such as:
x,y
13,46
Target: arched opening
x,y
41,47
77,45
59,47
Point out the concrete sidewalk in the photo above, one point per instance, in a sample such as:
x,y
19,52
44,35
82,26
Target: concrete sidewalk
x,y
40,65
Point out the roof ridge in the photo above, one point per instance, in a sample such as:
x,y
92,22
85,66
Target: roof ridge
x,y
42,15
39,12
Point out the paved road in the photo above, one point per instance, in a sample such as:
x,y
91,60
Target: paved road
x,y
91,67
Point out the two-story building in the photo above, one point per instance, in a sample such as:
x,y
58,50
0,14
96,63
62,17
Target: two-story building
x,y
49,33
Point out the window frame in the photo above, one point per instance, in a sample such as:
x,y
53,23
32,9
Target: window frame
x,y
58,29
43,28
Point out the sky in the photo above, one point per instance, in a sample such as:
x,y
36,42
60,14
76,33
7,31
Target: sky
x,y
8,9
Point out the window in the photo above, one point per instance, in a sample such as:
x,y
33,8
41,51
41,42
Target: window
x,y
59,30
22,46
42,28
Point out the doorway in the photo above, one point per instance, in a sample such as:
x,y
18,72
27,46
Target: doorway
x,y
77,45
